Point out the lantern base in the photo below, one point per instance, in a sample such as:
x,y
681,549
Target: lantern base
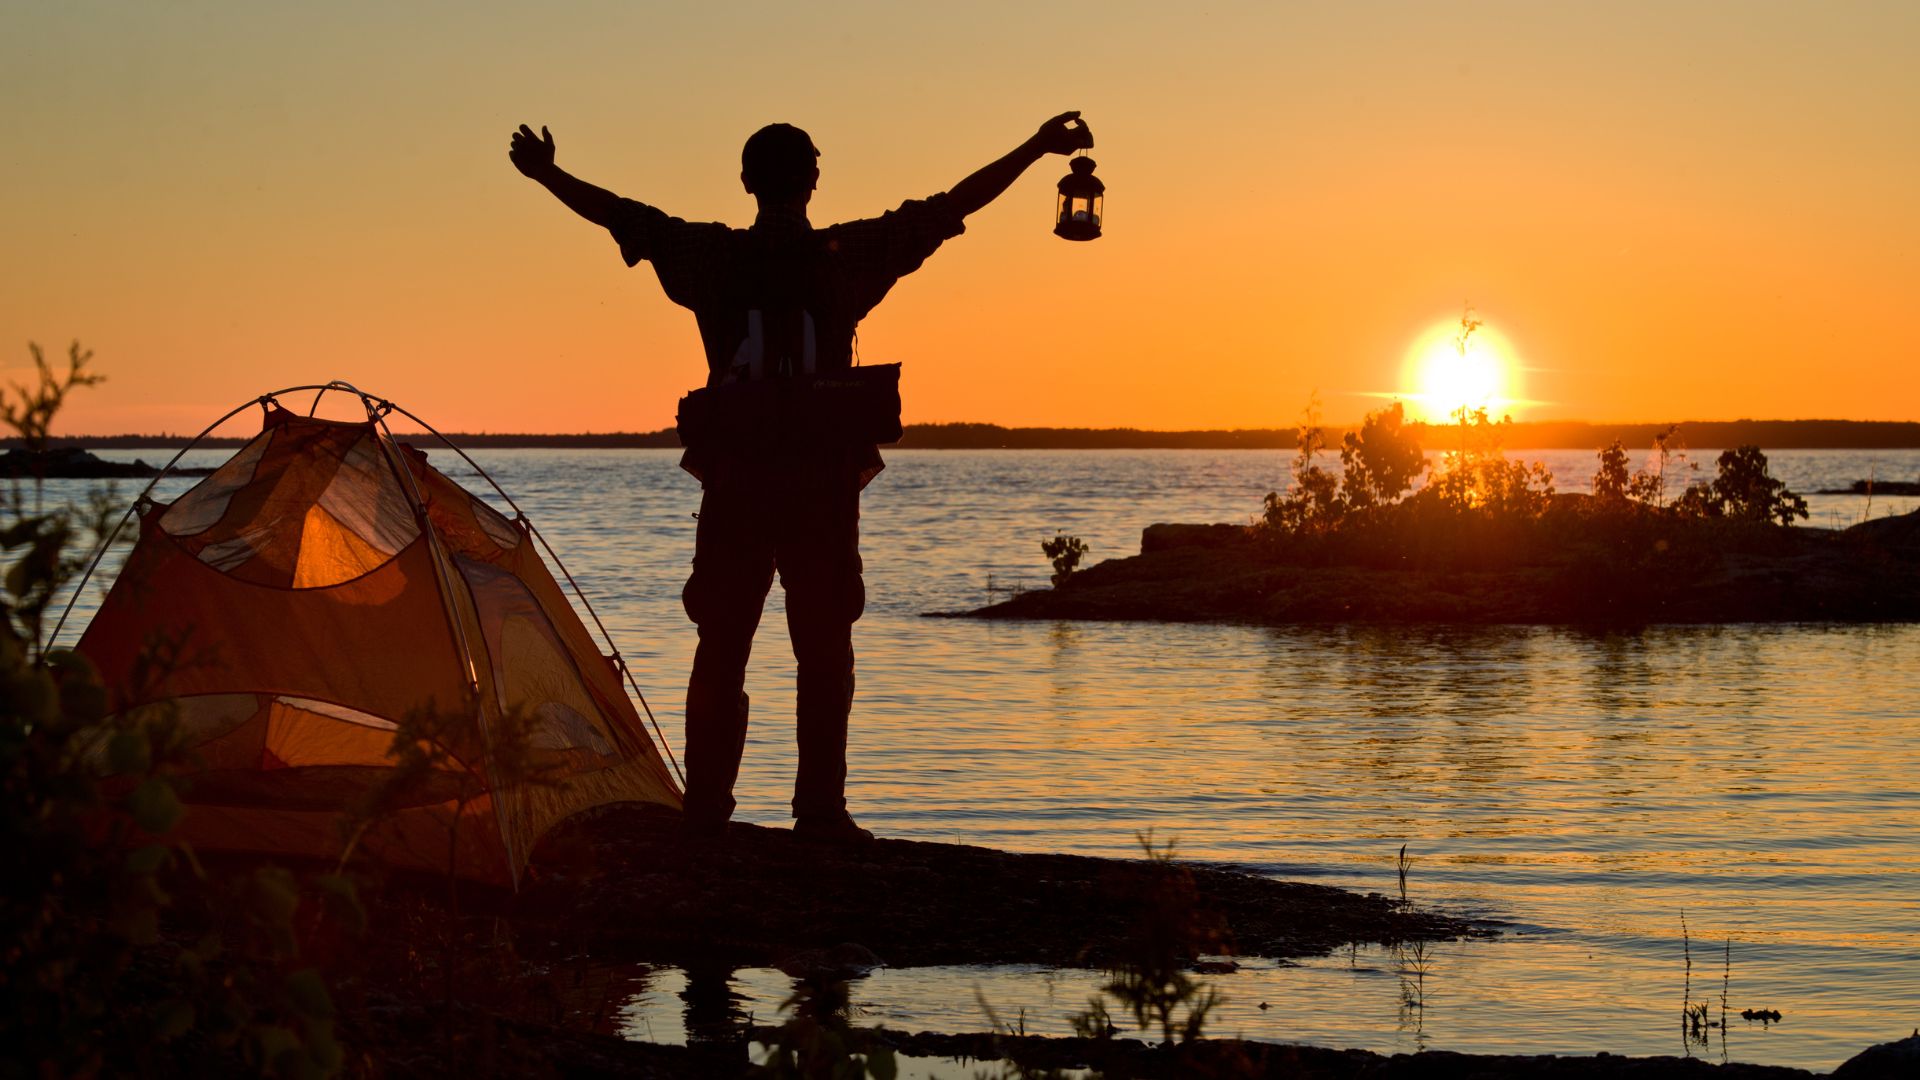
x,y
1076,230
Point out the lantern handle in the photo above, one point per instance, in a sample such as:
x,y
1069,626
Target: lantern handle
x,y
1081,133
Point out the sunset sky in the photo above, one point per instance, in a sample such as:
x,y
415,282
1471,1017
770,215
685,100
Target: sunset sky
x,y
1665,211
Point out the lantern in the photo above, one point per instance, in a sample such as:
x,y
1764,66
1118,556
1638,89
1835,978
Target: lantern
x,y
1077,213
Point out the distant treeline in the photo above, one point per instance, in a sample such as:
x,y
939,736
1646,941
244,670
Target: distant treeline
x,y
1544,435
1549,435
613,440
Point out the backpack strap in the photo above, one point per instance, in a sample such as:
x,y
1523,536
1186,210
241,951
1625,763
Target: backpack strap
x,y
778,298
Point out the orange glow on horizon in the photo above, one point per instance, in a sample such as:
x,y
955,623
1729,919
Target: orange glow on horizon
x,y
1711,222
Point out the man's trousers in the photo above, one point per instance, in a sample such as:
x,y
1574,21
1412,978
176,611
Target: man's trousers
x,y
802,518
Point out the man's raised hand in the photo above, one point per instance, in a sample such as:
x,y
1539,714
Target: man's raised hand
x,y
1064,134
531,154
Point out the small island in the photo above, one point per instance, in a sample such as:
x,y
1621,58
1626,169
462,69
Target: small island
x,y
74,463
1488,540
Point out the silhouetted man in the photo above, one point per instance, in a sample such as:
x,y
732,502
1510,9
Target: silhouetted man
x,y
777,300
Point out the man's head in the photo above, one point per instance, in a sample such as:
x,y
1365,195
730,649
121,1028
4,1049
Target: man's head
x,y
779,165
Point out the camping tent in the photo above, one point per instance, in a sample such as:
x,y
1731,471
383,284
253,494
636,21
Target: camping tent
x,y
327,589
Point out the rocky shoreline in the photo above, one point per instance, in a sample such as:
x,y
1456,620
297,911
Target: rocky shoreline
x,y
1637,572
519,1048
533,987
532,981
1871,487
618,882
1115,1058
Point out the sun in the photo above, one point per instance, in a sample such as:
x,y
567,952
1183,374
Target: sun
x,y
1447,370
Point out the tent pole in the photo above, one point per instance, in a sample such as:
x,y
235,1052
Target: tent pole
x,y
608,638
405,475
564,572
376,414
106,544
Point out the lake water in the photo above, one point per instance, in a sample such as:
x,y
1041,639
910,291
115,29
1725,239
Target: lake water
x,y
1763,782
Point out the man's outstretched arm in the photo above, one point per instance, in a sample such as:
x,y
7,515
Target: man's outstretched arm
x,y
1061,135
533,156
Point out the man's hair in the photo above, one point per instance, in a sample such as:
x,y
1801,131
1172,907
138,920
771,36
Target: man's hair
x,y
778,161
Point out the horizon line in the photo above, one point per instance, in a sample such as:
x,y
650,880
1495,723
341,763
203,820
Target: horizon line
x,y
1074,428
1523,435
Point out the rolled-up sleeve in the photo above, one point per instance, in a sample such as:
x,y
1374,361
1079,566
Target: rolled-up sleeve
x,y
916,229
635,228
684,254
898,241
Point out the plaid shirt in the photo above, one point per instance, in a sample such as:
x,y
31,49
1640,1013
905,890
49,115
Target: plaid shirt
x,y
836,274
783,278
